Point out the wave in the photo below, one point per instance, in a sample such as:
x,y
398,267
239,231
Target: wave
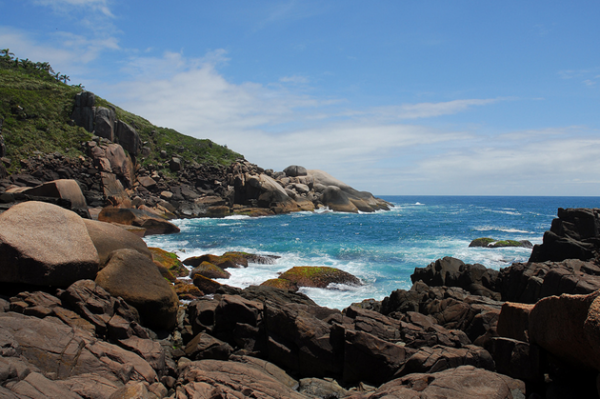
x,y
502,229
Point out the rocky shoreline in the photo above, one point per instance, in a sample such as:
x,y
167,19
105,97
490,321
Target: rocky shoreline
x,y
85,312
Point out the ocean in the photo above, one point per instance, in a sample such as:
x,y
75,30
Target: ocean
x,y
381,248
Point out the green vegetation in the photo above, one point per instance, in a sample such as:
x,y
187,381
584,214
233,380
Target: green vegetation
x,y
36,106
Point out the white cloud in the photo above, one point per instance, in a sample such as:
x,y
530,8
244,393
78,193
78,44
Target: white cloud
x,y
274,127
66,5
428,110
589,82
294,79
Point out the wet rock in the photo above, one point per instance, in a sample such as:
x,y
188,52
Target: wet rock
x,y
318,276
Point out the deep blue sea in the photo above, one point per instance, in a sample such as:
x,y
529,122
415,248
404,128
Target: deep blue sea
x,y
381,248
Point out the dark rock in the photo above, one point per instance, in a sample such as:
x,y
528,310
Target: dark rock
x,y
318,276
135,278
128,137
294,171
465,382
205,346
573,235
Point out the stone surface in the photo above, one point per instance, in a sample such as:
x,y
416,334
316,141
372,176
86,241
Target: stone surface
x,y
135,278
153,223
44,244
318,276
108,238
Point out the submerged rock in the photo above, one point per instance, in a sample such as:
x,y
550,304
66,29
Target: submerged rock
x,y
318,276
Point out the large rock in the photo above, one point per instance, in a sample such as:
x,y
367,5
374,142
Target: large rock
x,y
318,276
108,238
104,123
44,244
135,278
529,282
120,163
465,382
575,234
128,137
219,379
452,272
347,199
60,352
64,188
295,171
568,327
153,224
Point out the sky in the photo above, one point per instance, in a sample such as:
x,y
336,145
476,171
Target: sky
x,y
394,97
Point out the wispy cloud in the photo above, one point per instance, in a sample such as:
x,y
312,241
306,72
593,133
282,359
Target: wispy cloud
x,y
66,5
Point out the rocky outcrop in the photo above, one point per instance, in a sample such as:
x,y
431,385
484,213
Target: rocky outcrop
x,y
452,272
575,234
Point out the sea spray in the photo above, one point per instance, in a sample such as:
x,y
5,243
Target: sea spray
x,y
381,248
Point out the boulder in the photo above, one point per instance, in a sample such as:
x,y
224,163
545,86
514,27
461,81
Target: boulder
x,y
153,224
113,190
575,234
135,278
216,378
318,276
128,137
568,327
43,244
205,346
169,261
280,284
465,382
104,123
108,238
209,270
295,171
120,163
346,198
65,189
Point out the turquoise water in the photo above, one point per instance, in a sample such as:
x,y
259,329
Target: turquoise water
x,y
381,248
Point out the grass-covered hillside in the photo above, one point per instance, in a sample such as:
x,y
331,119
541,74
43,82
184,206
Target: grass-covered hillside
x,y
36,105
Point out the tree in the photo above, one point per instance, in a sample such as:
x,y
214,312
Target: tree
x,y
64,78
6,54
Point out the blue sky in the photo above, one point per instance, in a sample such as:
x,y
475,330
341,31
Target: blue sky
x,y
394,97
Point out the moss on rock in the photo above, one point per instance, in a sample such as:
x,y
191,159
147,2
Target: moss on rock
x,y
319,276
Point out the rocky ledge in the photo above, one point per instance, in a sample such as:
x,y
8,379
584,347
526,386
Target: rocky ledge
x,y
86,313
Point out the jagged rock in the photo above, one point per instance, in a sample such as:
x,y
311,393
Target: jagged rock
x,y
368,358
44,244
135,278
452,272
48,344
529,282
575,234
121,163
438,358
516,359
205,346
318,276
513,321
128,137
104,123
113,190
